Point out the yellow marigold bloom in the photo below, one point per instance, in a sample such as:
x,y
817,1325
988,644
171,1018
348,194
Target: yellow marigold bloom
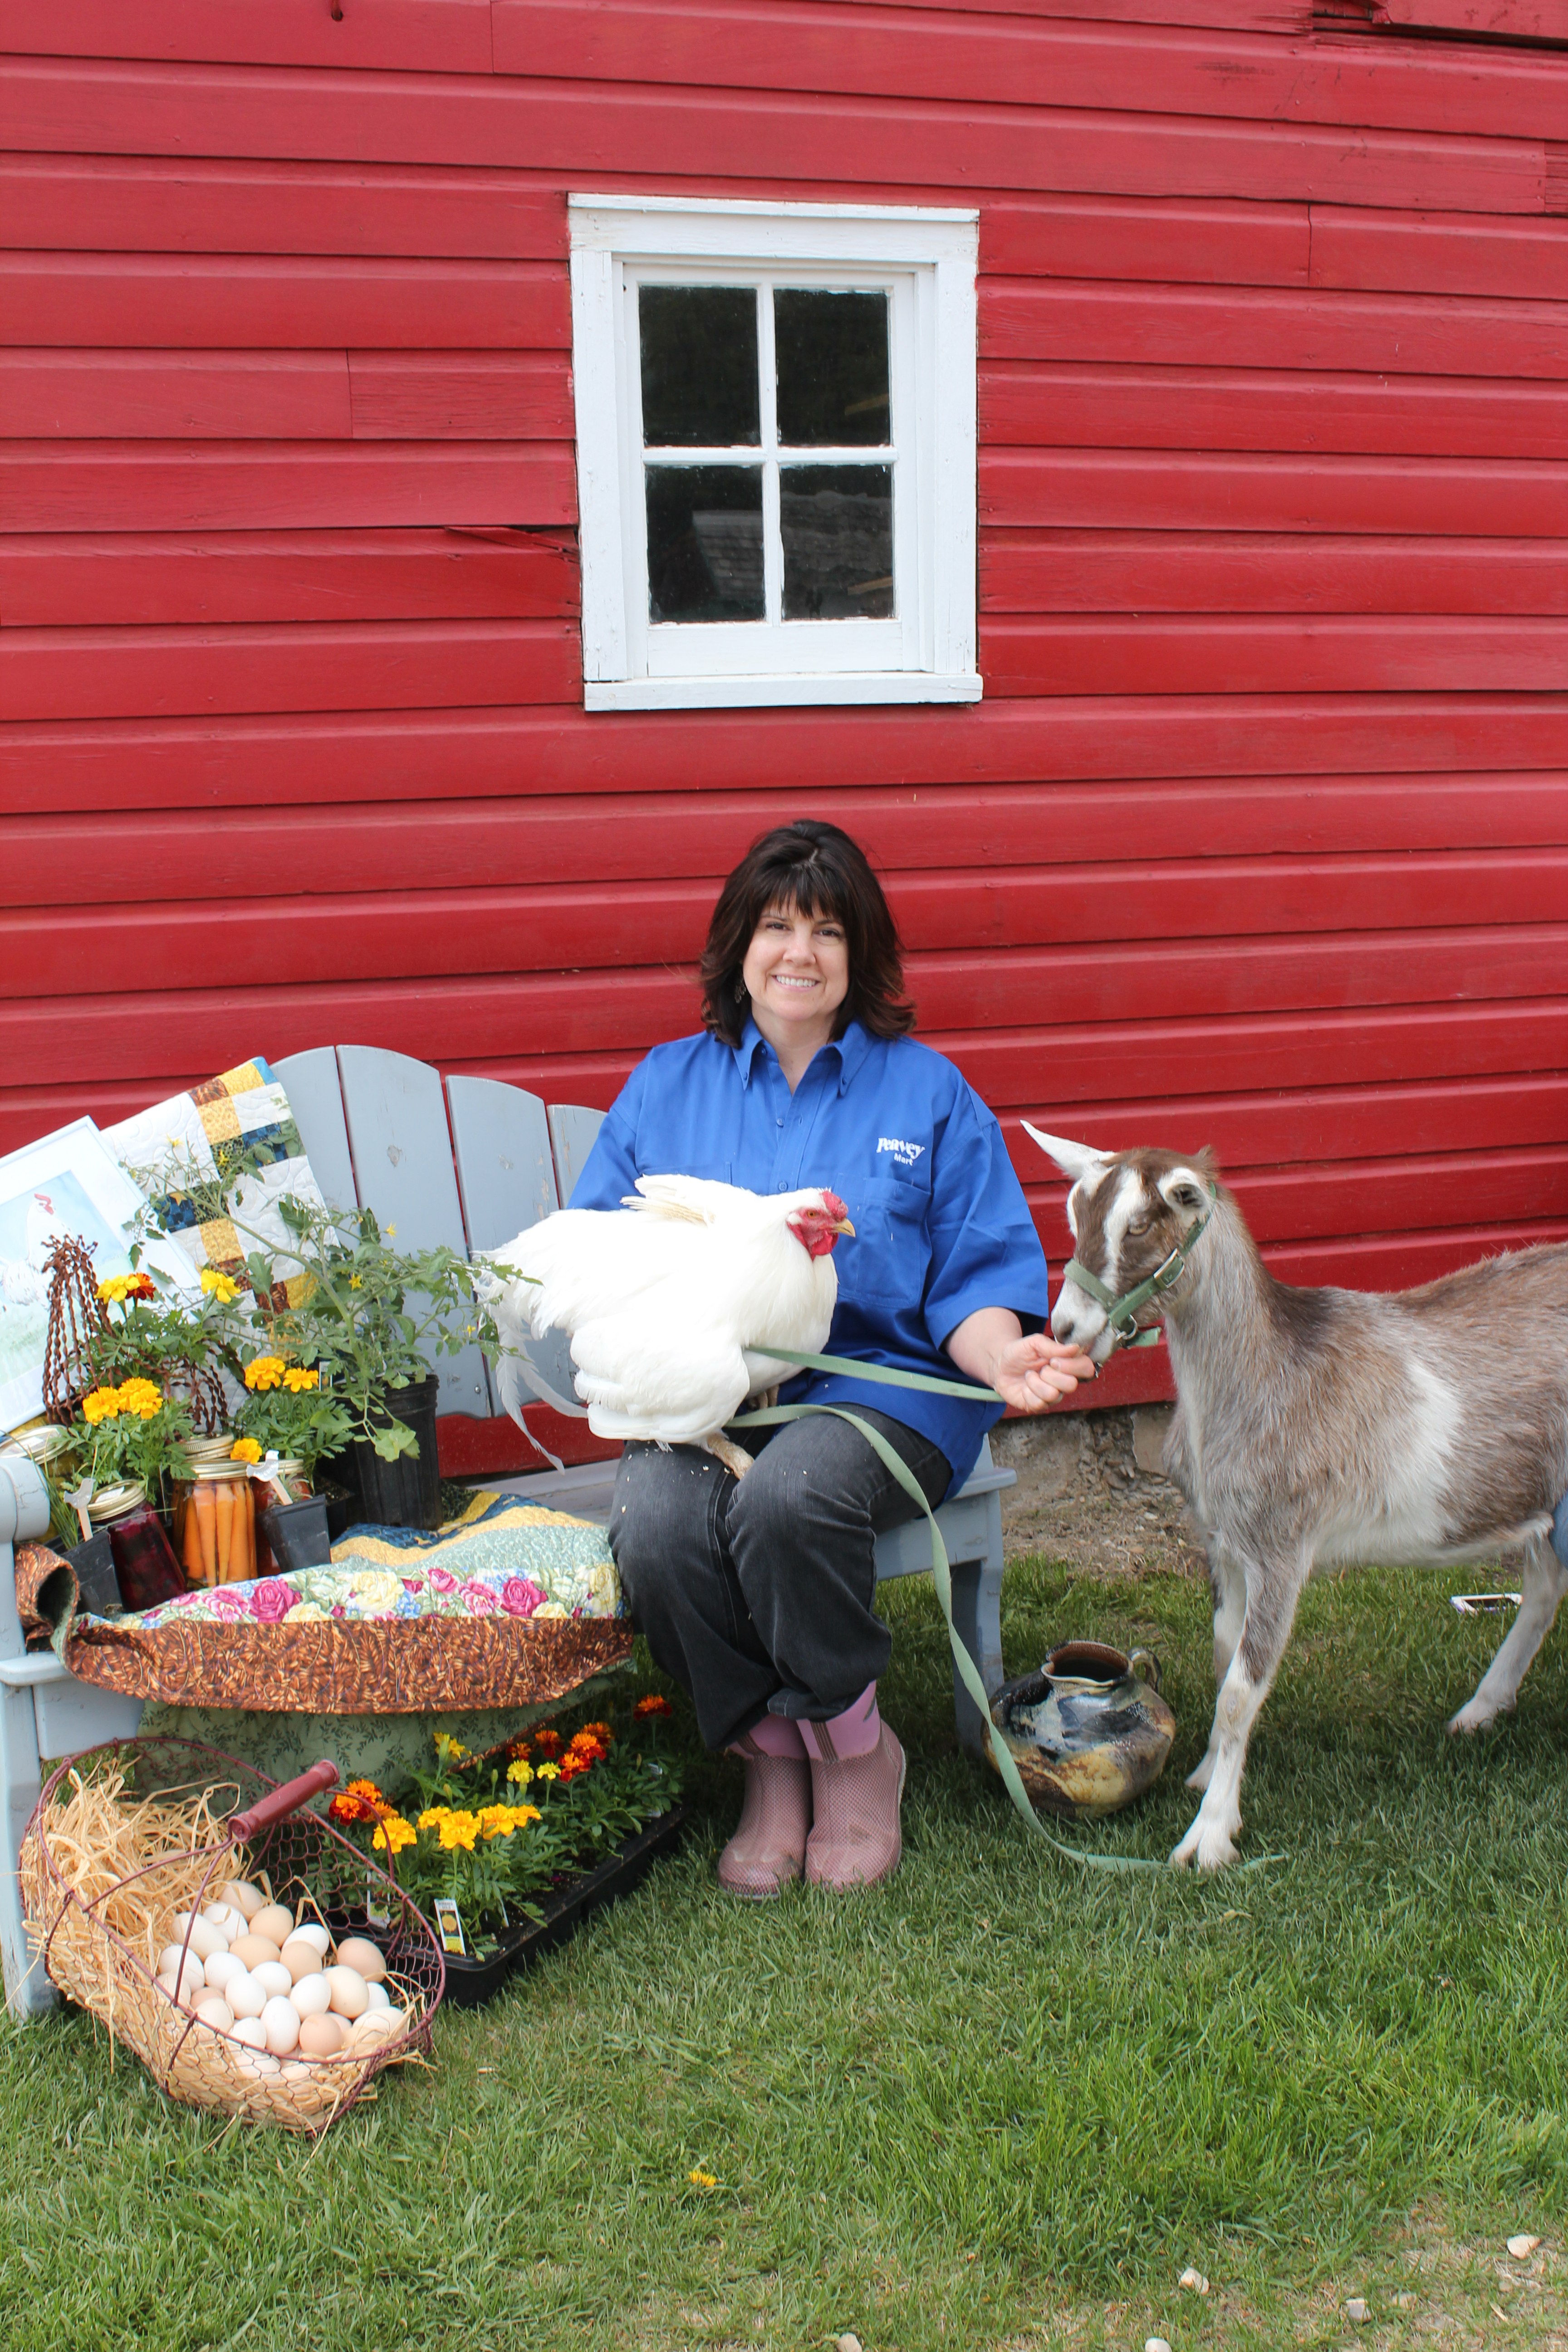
x,y
144,1398
700,2180
245,1449
221,1286
449,1750
523,1815
115,1287
391,1835
460,1830
296,1378
100,1404
547,1772
433,1817
264,1372
519,1773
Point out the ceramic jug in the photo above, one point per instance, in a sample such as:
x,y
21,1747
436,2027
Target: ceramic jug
x,y
1088,1732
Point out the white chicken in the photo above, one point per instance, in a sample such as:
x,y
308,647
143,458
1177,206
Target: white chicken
x,y
668,1303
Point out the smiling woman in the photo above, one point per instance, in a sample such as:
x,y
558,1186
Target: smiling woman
x,y
756,1592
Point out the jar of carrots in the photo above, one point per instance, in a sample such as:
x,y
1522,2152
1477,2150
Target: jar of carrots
x,y
214,1525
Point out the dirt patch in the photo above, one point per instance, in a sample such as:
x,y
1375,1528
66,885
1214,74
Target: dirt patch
x,y
1089,1492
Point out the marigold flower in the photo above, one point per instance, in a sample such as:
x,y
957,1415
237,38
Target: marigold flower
x,y
653,1703
245,1449
460,1830
599,1731
221,1286
392,1833
547,1742
100,1404
585,1743
571,1766
519,1772
518,1749
433,1816
547,1772
264,1372
523,1815
351,1809
297,1378
447,1749
144,1398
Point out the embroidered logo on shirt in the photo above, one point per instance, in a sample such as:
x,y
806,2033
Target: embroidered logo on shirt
x,y
905,1154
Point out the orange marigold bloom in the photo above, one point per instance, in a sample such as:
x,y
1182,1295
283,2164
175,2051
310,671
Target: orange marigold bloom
x,y
653,1704
574,1765
599,1731
548,1743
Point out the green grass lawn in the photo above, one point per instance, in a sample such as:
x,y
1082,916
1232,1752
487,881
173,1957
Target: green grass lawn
x,y
998,2101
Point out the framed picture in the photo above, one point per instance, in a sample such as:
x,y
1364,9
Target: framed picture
x,y
69,1182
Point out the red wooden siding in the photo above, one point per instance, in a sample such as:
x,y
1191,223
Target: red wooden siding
x,y
1260,837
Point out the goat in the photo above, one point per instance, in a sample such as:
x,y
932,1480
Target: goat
x,y
1319,1429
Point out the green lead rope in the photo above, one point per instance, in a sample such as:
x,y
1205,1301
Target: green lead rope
x,y
969,1675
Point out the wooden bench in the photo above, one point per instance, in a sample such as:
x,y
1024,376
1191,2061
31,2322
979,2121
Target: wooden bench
x,y
469,1162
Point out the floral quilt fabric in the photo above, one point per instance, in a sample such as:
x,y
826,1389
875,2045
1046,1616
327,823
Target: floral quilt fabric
x,y
501,1559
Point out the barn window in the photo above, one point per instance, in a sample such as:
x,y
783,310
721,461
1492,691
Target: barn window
x,y
775,452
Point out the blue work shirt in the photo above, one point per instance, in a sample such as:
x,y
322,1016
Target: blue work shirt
x,y
940,1223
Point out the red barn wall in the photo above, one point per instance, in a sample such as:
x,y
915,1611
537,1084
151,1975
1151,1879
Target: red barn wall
x,y
1259,836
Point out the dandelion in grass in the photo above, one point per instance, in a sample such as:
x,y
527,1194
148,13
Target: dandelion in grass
x,y
700,2180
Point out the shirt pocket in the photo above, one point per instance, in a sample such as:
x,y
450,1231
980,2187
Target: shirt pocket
x,y
889,1256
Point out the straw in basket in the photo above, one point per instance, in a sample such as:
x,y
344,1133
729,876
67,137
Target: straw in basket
x,y
128,1834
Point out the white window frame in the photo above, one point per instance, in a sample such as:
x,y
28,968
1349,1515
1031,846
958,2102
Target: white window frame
x,y
926,259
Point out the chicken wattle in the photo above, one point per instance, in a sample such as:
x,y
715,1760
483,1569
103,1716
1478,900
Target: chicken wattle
x,y
670,1304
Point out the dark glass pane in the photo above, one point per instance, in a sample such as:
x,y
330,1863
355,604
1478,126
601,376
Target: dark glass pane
x,y
837,524
832,369
705,543
698,366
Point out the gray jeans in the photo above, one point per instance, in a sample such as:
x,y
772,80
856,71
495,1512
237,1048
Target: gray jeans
x,y
756,1593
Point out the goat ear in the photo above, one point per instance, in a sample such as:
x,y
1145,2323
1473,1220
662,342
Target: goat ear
x,y
1187,1188
1074,1159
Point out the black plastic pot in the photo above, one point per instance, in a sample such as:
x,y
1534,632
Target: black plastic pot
x,y
297,1535
94,1564
470,1983
405,1492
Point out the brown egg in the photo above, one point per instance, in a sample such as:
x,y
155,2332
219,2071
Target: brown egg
x,y
349,1996
274,1920
323,2037
358,1952
301,1959
254,1948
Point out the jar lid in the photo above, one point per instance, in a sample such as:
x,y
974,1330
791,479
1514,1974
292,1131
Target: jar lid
x,y
230,1471
38,1445
116,1502
209,1449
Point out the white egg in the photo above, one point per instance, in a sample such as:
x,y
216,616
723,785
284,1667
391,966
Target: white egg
x,y
222,1969
313,1996
230,1923
350,1994
374,2028
248,2031
280,2023
274,1980
376,1996
244,1897
174,1961
215,2011
311,1931
205,1938
245,1996
169,1985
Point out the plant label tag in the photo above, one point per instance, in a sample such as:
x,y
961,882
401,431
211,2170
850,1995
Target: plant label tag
x,y
375,1911
449,1924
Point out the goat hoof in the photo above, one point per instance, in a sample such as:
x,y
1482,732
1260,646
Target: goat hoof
x,y
1470,1719
1201,1774
1205,1847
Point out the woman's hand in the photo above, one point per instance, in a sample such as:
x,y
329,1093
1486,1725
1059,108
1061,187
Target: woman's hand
x,y
1032,1373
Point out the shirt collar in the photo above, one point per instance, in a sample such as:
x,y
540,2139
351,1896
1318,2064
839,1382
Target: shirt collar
x,y
851,1049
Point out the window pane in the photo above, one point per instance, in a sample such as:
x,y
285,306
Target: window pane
x,y
698,366
705,543
837,524
832,368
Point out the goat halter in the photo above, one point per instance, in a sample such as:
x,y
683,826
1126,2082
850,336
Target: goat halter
x,y
1122,1311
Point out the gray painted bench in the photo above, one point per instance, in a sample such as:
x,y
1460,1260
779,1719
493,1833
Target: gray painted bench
x,y
469,1162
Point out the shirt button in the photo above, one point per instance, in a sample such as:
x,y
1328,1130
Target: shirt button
x,y
779,1122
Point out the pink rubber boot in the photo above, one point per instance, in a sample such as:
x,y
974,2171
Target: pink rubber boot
x,y
857,1788
768,1848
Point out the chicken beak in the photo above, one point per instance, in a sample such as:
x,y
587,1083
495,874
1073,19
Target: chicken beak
x,y
844,1226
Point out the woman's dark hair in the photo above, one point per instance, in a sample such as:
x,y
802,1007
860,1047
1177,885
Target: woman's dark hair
x,y
814,869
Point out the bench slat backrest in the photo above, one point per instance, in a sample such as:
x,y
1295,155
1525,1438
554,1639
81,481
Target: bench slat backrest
x,y
506,1175
315,1095
572,1131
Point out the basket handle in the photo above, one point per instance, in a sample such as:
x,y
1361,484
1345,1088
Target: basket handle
x,y
242,1827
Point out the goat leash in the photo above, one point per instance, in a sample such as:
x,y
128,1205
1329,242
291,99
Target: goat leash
x,y
941,1568
1122,1312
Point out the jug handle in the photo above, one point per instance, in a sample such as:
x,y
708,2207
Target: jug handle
x,y
1151,1665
